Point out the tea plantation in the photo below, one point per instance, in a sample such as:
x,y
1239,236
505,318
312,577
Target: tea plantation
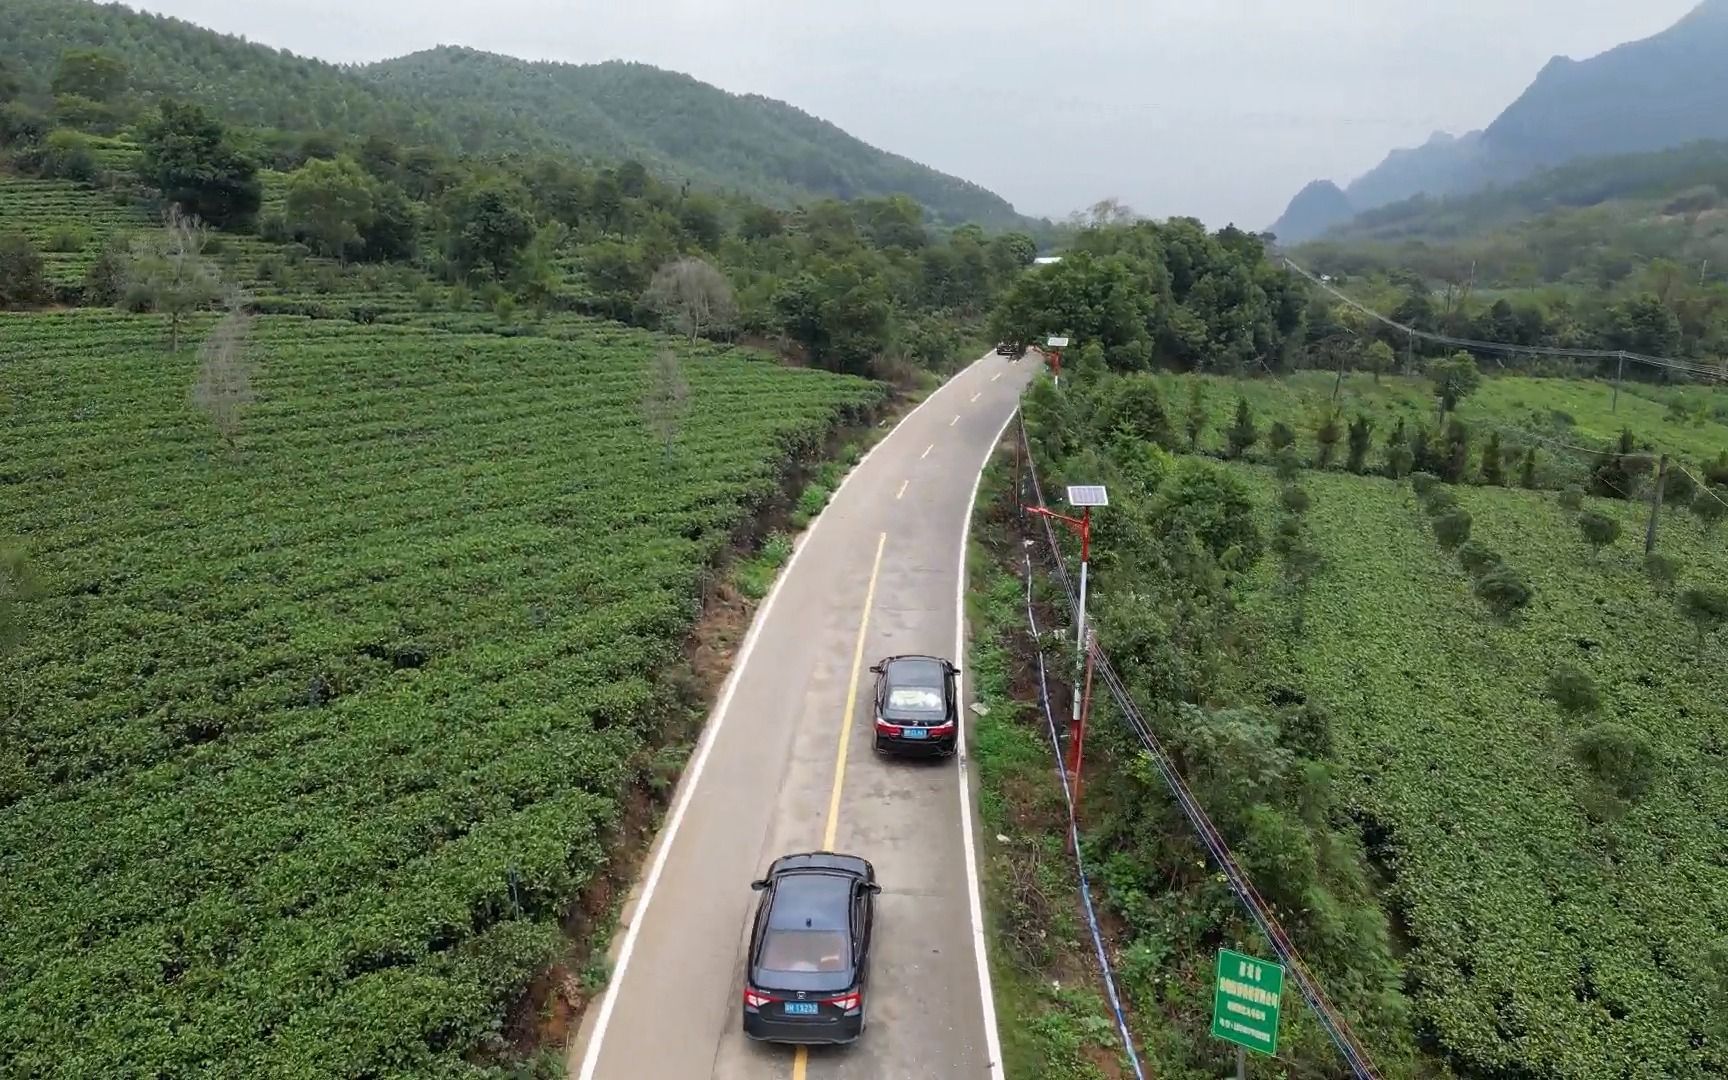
x,y
316,736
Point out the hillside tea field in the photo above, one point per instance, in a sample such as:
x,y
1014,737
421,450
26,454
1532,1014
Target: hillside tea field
x,y
1549,413
311,742
1548,931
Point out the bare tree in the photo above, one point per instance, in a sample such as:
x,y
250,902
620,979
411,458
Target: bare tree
x,y
223,388
667,402
168,273
692,295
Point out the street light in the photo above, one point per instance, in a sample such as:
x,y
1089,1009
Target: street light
x,y
1084,497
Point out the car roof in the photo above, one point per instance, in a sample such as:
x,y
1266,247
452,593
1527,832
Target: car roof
x,y
916,671
812,899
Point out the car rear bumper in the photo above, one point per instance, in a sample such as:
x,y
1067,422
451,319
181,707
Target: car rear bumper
x,y
899,745
818,1032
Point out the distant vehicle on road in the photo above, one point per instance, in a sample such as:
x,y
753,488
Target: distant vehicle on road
x,y
917,705
809,954
1014,349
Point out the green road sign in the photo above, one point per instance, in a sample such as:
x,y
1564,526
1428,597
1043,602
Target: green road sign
x,y
1245,1002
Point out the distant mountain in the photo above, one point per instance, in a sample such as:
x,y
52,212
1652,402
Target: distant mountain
x,y
1661,92
1316,208
680,127
458,99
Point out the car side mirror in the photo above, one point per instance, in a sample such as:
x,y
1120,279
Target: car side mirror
x,y
759,884
876,669
874,888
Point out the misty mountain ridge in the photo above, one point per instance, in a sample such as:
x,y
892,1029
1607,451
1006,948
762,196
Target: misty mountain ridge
x,y
461,100
1660,92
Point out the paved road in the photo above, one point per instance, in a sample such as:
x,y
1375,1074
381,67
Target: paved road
x,y
786,765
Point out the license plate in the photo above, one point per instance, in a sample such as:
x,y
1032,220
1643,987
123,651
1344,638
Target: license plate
x,y
915,733
800,1008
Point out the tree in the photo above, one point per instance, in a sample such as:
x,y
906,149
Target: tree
x,y
1599,530
95,74
188,156
666,402
692,295
1454,379
1380,358
1573,690
1504,590
329,203
1361,441
393,232
1493,472
1457,460
1294,500
169,274
1399,459
1527,471
487,224
1326,436
1452,528
1287,464
1242,434
105,280
1133,405
1710,506
1618,757
1571,499
1662,570
223,389
22,279
1706,607
1194,420
1281,435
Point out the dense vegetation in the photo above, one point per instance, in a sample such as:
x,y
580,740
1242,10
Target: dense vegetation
x,y
461,101
322,725
1462,736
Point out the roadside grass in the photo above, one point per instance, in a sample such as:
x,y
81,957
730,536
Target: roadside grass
x,y
1052,1017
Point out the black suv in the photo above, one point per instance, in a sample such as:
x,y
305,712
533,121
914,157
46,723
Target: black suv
x,y
810,949
917,705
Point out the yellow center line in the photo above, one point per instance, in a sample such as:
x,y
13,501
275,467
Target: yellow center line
x,y
801,1059
851,701
980,393
926,452
902,490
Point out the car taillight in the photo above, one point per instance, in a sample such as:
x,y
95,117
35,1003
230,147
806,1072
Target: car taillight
x,y
756,999
846,1002
886,728
942,729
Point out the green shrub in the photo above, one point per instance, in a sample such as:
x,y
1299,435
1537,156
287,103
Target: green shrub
x,y
1618,757
1504,590
1573,690
1452,528
1477,558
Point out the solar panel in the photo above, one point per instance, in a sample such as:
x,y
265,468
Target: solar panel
x,y
1088,495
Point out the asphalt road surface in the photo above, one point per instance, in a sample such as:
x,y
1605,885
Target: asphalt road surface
x,y
786,764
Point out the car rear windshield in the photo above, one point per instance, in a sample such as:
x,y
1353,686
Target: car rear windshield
x,y
915,698
806,950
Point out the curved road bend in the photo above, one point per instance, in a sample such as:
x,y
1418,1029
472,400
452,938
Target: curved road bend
x,y
786,765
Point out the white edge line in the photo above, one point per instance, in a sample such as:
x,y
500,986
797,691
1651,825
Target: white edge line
x,y
986,995
711,732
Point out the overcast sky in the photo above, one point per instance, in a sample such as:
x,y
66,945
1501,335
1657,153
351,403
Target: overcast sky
x,y
1217,108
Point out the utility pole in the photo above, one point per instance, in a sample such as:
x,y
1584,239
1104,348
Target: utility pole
x,y
1656,505
1085,497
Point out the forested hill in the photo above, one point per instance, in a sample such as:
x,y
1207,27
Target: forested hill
x,y
459,100
681,126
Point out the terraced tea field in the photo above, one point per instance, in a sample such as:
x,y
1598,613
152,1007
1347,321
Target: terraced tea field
x,y
1543,936
66,222
324,732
